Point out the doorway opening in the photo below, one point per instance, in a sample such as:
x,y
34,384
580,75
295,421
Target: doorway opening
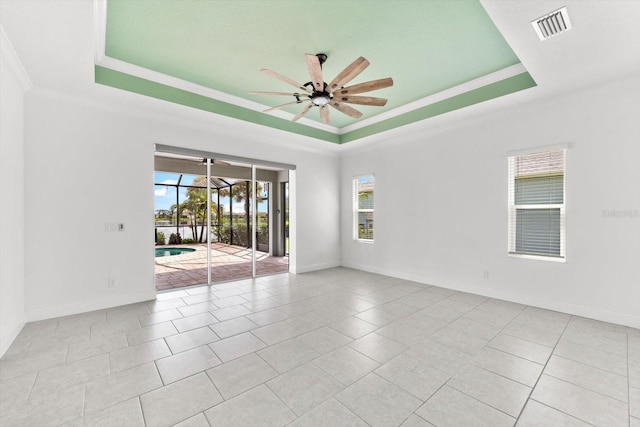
x,y
218,220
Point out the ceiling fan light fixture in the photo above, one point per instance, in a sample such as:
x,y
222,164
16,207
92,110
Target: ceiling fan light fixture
x,y
320,100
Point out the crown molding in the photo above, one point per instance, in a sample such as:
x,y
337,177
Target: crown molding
x,y
488,79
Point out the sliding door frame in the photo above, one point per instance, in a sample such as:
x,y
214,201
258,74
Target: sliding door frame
x,y
255,164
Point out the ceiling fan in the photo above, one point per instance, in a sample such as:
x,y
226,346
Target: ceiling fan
x,y
216,162
317,93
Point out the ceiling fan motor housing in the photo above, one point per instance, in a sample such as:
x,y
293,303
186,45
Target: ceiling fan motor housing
x,y
322,58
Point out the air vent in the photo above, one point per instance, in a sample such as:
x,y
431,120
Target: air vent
x,y
552,24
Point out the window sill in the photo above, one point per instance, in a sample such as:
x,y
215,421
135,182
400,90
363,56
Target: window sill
x,y
538,257
364,241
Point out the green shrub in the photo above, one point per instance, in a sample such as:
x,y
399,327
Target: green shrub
x,y
160,238
263,235
188,241
175,239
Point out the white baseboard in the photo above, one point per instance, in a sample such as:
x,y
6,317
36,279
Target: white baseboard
x,y
534,301
86,306
8,334
316,267
584,311
391,273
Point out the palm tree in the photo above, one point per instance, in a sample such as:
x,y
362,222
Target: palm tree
x,y
196,204
241,192
174,209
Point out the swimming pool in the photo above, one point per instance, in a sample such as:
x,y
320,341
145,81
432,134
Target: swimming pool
x,y
172,251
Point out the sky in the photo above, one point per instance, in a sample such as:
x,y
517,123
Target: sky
x,y
165,196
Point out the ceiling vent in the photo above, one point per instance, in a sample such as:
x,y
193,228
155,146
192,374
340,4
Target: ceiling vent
x,y
552,24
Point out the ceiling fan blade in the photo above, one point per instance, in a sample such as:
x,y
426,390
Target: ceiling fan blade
x,y
277,107
302,112
348,74
366,86
362,100
343,108
324,114
315,72
257,92
286,80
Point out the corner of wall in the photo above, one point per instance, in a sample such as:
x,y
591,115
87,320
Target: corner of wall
x,y
10,333
12,60
15,82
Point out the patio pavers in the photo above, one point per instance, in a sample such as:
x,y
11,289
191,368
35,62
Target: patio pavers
x,y
228,263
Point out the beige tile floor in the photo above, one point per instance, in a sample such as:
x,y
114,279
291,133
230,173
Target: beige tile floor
x,y
330,348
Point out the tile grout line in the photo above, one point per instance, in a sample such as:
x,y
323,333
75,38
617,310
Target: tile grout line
x,y
628,379
322,297
592,367
274,393
484,403
84,399
144,419
586,389
542,373
33,386
433,394
140,406
498,333
578,386
471,363
562,412
524,339
66,356
214,385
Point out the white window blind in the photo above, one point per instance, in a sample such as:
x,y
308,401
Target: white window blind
x,y
536,204
363,207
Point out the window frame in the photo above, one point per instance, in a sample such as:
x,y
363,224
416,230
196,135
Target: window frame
x,y
513,208
356,207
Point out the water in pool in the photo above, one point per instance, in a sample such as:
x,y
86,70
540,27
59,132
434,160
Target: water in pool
x,y
172,251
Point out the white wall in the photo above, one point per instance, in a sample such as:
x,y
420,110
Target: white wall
x,y
13,83
91,163
441,205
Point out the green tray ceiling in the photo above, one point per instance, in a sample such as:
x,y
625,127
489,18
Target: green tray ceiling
x,y
426,46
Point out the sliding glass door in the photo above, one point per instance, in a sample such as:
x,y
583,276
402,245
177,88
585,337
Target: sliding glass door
x,y
217,219
230,254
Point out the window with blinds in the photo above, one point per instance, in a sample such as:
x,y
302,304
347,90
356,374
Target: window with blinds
x,y
363,208
536,204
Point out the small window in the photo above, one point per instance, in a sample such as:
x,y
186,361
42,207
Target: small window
x,y
363,208
537,205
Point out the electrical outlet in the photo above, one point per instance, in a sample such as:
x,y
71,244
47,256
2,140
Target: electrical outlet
x,y
111,282
485,274
113,226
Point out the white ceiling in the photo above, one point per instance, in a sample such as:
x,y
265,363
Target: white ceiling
x,y
603,45
55,42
